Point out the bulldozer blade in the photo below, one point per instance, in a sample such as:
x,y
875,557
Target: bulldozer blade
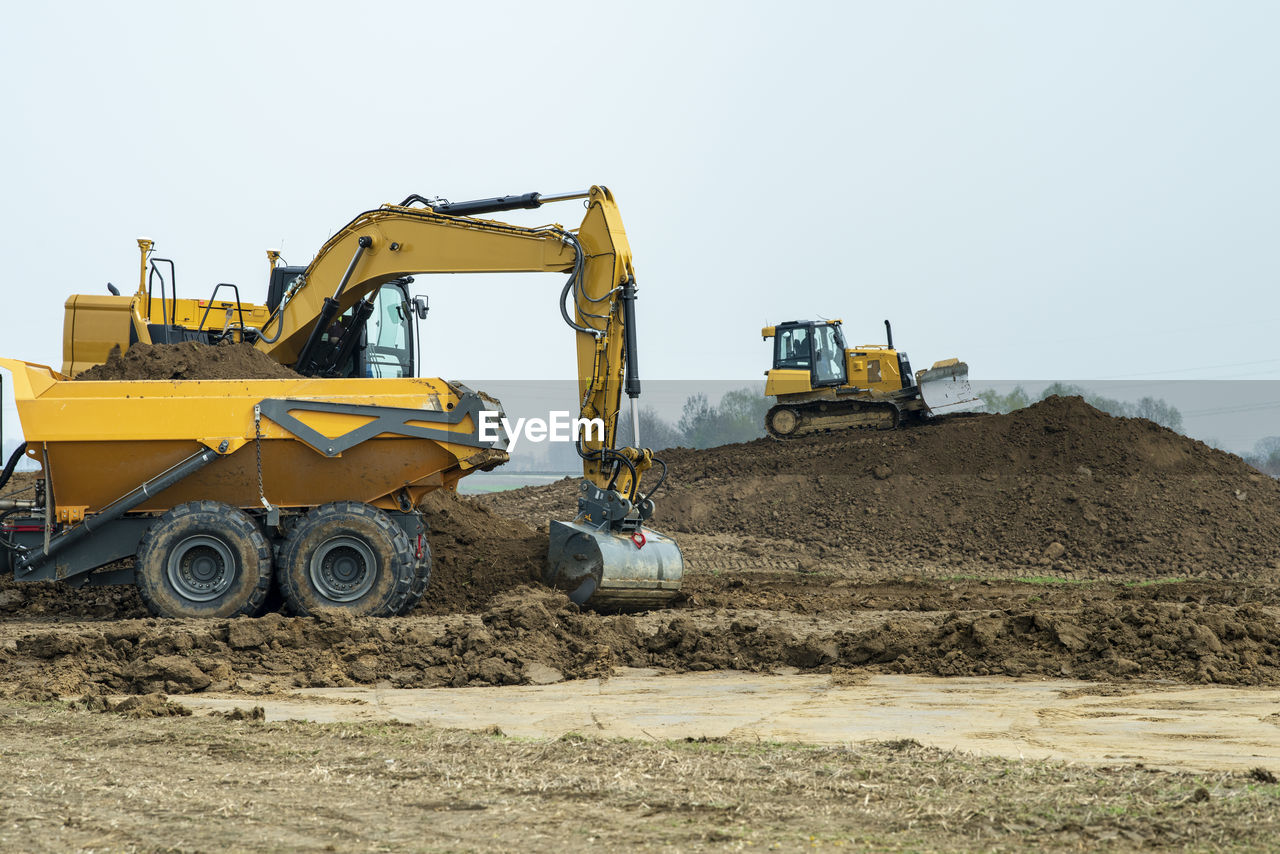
x,y
944,388
613,570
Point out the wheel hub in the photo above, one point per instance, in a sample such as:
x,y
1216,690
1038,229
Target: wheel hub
x,y
201,568
343,569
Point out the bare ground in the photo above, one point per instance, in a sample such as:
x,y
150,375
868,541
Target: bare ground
x,y
1056,543
105,782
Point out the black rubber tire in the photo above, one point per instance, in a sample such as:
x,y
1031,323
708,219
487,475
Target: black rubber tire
x,y
421,579
204,559
273,601
348,556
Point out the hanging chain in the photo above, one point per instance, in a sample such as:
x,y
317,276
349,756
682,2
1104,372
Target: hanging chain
x,y
257,446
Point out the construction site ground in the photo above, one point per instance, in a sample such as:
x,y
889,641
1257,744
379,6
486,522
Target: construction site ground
x,y
1052,628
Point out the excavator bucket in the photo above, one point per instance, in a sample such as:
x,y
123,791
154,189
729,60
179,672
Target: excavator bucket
x,y
945,389
606,560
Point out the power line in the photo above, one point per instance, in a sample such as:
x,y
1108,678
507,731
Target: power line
x,y
1248,407
1195,368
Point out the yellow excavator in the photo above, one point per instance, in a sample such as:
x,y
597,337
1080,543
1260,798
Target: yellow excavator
x,y
820,384
349,314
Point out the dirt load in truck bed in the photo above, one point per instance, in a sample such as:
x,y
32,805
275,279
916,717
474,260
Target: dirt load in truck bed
x,y
189,360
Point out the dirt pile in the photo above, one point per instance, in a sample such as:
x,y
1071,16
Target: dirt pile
x,y
1058,488
894,534
136,706
55,600
188,360
533,635
524,628
476,554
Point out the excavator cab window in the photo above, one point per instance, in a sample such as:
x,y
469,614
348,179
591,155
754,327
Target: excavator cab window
x,y
389,348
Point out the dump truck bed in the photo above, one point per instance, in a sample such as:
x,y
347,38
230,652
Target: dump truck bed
x,y
379,441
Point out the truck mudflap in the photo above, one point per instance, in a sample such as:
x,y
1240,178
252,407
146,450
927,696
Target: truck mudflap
x,y
945,388
613,570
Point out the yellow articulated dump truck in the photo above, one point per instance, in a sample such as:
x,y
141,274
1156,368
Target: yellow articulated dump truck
x,y
223,489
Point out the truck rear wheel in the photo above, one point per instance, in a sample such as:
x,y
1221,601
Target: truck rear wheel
x,y
203,559
421,578
349,556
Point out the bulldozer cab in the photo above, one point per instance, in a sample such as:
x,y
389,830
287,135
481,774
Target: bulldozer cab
x,y
812,346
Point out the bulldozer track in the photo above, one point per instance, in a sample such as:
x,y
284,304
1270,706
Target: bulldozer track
x,y
792,421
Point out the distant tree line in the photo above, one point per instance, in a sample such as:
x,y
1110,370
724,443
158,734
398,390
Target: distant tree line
x,y
737,417
1153,409
1266,456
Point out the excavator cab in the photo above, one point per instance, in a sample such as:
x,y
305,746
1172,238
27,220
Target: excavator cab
x,y
380,342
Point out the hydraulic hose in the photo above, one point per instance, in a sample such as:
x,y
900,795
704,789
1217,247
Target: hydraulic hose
x,y
635,479
662,478
7,542
572,285
17,454
278,316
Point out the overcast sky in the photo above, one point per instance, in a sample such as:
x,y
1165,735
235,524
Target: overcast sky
x,y
1047,190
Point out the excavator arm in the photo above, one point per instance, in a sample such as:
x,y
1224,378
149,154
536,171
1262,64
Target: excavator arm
x,y
394,241
605,554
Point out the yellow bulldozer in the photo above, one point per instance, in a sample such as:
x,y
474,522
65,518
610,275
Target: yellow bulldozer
x,y
224,490
820,384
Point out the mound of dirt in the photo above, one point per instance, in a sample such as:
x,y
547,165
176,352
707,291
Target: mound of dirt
x,y
136,706
522,628
1057,488
476,554
189,360
56,600
534,635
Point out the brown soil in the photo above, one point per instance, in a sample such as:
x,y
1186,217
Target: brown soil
x,y
189,360
815,554
56,601
1052,542
530,632
476,554
1058,488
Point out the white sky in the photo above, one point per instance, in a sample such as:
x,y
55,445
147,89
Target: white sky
x,y
1069,190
